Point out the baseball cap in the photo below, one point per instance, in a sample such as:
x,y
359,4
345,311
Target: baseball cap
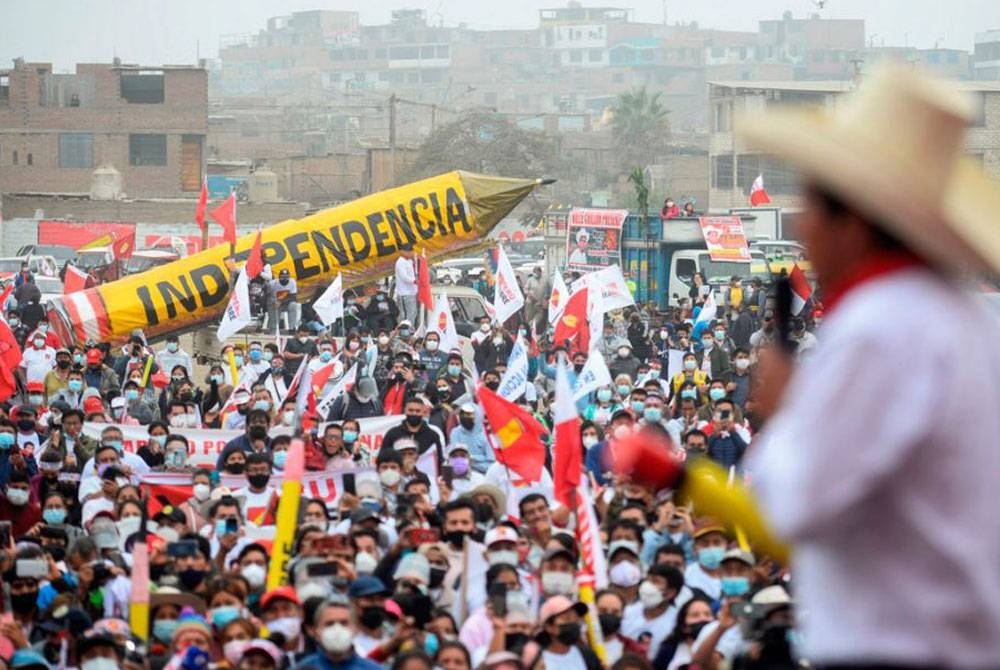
x,y
362,514
36,386
366,585
241,396
468,408
404,443
739,555
706,526
559,551
457,446
772,595
280,593
627,545
405,322
266,647
93,405
94,356
413,565
501,534
556,605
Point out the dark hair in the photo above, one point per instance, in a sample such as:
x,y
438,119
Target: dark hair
x,y
494,571
674,577
257,458
257,414
628,525
528,499
443,612
669,549
204,548
632,661
73,412
418,478
406,656
460,504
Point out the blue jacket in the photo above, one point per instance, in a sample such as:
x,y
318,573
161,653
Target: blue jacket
x,y
320,661
480,452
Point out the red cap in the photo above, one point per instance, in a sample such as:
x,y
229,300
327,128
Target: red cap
x,y
280,593
36,386
93,405
94,356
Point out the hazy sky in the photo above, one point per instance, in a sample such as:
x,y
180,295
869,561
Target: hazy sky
x,y
153,32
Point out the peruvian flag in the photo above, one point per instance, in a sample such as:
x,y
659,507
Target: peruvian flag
x,y
424,296
225,216
573,325
122,247
199,212
255,262
558,298
76,279
758,194
801,291
10,359
567,457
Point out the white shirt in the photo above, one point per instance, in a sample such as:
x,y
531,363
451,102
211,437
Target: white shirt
x,y
571,660
695,577
516,488
882,467
406,277
37,363
635,623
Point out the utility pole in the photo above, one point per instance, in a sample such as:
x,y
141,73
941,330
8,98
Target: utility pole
x,y
392,140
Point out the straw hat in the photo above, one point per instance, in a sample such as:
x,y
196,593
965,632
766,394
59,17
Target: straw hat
x,y
893,150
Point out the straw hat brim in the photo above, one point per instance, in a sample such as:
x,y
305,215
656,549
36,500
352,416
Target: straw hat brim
x,y
957,232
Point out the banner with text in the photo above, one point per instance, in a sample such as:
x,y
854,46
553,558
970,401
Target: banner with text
x,y
725,238
593,238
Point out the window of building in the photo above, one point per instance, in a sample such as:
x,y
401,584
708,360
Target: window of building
x,y
594,55
4,89
147,150
404,53
144,88
14,157
427,52
722,172
979,110
31,159
381,53
576,56
442,51
76,150
720,112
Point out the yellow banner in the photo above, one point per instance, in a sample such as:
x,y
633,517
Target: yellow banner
x,y
360,239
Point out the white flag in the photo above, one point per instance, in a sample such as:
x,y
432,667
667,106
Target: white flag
x,y
442,323
594,375
608,290
342,386
237,314
330,306
515,380
708,310
559,297
507,296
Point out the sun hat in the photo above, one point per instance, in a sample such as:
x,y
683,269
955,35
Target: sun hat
x,y
893,150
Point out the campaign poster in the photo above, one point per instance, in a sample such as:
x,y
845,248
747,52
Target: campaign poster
x,y
593,238
725,238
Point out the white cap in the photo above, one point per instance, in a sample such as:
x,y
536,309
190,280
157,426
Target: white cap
x,y
501,534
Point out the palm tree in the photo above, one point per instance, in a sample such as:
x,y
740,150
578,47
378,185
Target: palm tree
x,y
638,180
640,127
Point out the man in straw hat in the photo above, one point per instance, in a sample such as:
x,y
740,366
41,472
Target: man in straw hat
x,y
885,483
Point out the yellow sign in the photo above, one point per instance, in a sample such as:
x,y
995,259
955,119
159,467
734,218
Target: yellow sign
x,y
360,239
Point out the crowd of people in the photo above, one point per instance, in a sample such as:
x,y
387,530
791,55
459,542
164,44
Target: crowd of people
x,y
473,568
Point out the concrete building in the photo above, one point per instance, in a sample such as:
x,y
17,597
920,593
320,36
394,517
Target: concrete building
x,y
818,48
148,123
987,55
733,167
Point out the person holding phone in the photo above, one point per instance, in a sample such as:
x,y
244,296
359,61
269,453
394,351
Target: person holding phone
x,y
725,446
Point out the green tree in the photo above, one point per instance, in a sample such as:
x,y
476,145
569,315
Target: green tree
x,y
640,127
638,180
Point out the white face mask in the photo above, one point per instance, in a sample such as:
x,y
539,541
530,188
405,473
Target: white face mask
x,y
589,441
389,477
383,339
337,638
624,352
558,583
254,574
99,663
201,492
18,497
498,340
484,328
127,526
288,417
192,420
233,651
314,589
625,573
365,563
742,363
178,421
288,626
432,345
508,556
650,595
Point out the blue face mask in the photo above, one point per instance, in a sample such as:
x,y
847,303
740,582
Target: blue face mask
x,y
117,444
6,440
268,355
254,355
159,439
711,557
734,587
239,360
163,629
350,436
689,393
716,394
262,404
637,406
325,356
623,389
54,516
279,459
604,395
131,394
224,615
454,370
652,414
75,385
217,379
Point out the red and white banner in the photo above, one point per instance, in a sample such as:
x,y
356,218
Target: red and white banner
x,y
507,296
593,238
725,238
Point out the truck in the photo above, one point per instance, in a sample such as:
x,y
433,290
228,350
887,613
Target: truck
x,y
663,259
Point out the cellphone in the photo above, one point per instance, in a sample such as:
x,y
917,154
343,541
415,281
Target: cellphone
x,y
498,599
322,570
184,548
422,535
447,474
349,483
53,533
725,414
232,526
32,567
327,543
742,610
4,533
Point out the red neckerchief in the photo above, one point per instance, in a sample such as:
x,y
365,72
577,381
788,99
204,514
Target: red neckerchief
x,y
881,265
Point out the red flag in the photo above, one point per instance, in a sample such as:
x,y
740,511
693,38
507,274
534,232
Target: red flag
x,y
76,279
518,444
573,324
321,376
199,212
122,247
567,457
424,283
758,194
801,291
10,358
5,295
255,263
225,216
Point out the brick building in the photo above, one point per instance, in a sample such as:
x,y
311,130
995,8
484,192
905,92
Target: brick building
x,y
147,123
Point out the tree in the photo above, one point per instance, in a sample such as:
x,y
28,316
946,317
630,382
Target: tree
x,y
640,127
638,180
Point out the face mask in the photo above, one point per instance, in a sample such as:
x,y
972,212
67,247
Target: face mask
x,y
404,332
578,367
350,436
624,352
7,439
221,616
498,340
589,441
437,576
610,623
36,400
257,433
365,564
114,444
254,574
54,516
128,526
690,364
569,633
280,457
325,355
191,578
558,583
75,385
288,626
694,630
625,573
650,595
459,465
514,642
383,340
484,328
18,497
734,587
24,603
235,468
288,417
716,394
604,395
652,414
742,364
254,355
389,477
233,651
454,370
432,345
654,373
689,393
178,421
336,639
172,347
623,389
131,395
62,364
201,492
508,556
372,617
414,421
258,481
711,557
239,361
217,379
637,405
493,386
720,335
39,342
163,630
707,343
